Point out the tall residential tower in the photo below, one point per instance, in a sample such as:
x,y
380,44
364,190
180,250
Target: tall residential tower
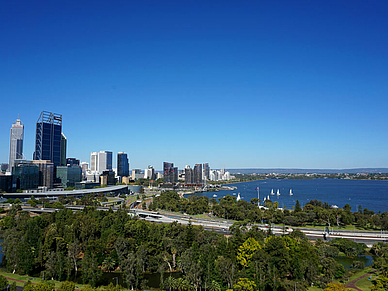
x,y
16,143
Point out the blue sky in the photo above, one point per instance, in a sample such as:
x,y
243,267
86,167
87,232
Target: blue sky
x,y
300,84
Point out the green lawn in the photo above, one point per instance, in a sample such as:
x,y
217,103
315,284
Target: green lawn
x,y
364,283
26,278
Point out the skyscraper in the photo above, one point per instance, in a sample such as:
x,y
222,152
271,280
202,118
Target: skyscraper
x,y
189,175
48,137
104,161
198,174
122,164
170,173
206,171
93,161
16,143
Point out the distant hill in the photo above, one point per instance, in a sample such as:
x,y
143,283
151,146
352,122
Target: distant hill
x,y
305,171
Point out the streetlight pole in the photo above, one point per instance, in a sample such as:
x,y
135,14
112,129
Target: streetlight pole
x,y
117,280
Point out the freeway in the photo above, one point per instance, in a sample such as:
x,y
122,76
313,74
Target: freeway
x,y
222,226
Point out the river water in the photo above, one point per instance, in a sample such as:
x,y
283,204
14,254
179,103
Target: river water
x,y
369,194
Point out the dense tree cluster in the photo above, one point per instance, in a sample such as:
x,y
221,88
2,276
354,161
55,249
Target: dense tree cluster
x,y
313,213
64,244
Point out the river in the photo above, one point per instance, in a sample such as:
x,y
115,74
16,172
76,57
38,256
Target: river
x,y
367,193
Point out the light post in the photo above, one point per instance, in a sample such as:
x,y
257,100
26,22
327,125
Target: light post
x,y
117,280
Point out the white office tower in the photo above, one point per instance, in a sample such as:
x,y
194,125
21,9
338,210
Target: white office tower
x,y
104,161
94,162
149,173
16,143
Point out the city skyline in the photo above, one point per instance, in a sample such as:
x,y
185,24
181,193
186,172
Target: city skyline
x,y
252,85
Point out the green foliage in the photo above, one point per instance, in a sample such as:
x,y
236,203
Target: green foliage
x,y
3,282
380,283
246,251
335,287
67,286
63,243
244,284
350,248
13,286
28,286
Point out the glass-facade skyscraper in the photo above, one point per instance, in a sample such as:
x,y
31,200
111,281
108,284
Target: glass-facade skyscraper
x,y
16,143
122,164
48,137
170,173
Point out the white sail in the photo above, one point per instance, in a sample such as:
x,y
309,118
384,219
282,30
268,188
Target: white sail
x,y
272,192
278,192
238,197
291,192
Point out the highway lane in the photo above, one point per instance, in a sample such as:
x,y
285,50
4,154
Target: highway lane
x,y
222,226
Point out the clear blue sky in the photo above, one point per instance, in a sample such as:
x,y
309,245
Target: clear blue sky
x,y
296,84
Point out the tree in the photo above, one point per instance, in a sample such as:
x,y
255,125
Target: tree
x,y
3,282
246,251
297,207
244,284
28,286
335,287
67,286
13,286
380,283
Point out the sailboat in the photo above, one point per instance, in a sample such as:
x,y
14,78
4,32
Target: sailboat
x,y
238,197
268,197
272,192
278,193
291,192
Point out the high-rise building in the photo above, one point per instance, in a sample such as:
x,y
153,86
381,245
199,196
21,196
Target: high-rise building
x,y
198,174
206,171
16,143
170,173
122,164
104,161
25,175
63,149
149,173
94,162
189,175
46,173
48,137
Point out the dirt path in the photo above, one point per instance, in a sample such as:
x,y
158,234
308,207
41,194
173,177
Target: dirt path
x,y
352,284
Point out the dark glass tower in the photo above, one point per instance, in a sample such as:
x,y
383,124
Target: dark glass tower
x,y
170,173
122,165
48,137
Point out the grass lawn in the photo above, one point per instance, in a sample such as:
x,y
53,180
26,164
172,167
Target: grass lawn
x,y
315,289
364,283
26,278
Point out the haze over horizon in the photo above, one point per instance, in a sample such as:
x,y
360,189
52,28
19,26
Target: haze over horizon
x,y
251,85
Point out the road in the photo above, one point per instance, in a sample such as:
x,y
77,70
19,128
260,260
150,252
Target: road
x,y
222,226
